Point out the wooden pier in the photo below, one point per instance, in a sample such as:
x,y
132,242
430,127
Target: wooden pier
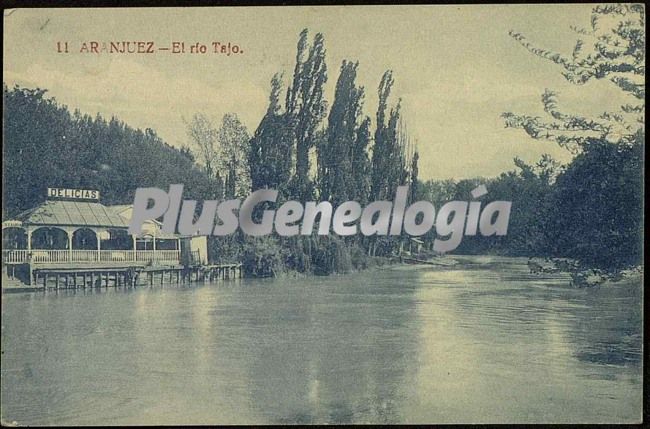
x,y
129,276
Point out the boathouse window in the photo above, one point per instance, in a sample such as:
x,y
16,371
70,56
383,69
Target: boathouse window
x,y
49,238
118,239
14,238
84,239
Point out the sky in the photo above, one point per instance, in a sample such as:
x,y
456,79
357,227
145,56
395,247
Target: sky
x,y
456,69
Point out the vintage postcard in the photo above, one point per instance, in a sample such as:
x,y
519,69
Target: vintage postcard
x,y
386,214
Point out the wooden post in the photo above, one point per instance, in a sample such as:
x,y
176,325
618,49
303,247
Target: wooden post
x,y
69,232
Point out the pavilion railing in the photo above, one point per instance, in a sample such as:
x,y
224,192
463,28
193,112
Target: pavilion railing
x,y
89,256
14,256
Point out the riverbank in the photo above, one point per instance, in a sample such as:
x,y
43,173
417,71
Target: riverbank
x,y
582,276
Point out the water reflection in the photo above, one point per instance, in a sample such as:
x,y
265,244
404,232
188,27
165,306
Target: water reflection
x,y
344,364
484,342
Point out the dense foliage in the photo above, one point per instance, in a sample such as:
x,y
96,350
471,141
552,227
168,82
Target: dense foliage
x,y
47,146
279,158
590,210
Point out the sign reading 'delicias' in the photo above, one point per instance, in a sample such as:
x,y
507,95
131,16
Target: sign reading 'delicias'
x,y
73,194
453,220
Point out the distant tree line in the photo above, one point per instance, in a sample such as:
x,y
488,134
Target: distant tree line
x,y
590,210
46,145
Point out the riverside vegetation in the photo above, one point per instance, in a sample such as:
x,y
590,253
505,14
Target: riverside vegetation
x,y
590,209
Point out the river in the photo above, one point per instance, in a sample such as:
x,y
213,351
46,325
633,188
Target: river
x,y
481,342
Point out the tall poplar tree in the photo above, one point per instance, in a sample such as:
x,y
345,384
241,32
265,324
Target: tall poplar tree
x,y
271,148
305,107
338,154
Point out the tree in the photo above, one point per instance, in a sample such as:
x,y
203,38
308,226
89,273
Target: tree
x,y
234,142
381,146
79,151
187,152
617,53
392,149
340,152
414,176
203,136
305,107
598,204
271,148
595,212
361,167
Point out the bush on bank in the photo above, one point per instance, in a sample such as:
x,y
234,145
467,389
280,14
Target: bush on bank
x,y
273,256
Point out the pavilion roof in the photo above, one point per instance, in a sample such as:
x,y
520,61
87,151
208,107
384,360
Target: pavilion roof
x,y
124,212
72,213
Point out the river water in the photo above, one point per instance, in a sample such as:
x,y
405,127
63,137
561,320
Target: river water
x,y
481,342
